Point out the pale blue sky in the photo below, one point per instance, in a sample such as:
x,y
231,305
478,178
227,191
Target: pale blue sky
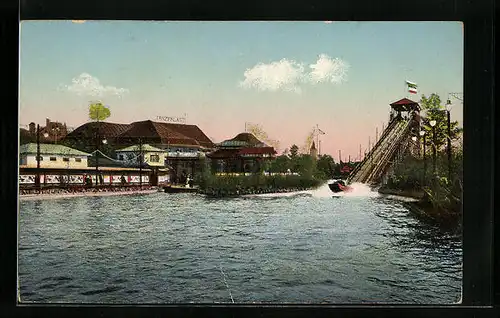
x,y
172,68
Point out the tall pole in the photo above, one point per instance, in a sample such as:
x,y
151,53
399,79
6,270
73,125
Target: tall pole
x,y
425,162
97,154
449,146
140,163
359,152
340,156
434,150
37,181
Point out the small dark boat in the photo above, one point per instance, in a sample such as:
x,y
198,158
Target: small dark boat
x,y
179,189
339,186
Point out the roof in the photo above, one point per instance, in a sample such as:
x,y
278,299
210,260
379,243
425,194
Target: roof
x,y
405,104
50,149
191,131
145,148
243,140
165,133
175,134
105,129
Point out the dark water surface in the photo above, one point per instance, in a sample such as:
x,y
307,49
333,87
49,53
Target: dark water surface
x,y
167,248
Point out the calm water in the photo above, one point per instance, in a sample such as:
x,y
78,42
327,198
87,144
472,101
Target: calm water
x,y
164,248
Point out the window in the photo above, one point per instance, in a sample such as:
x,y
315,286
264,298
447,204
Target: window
x,y
41,158
53,159
78,159
154,158
66,159
120,157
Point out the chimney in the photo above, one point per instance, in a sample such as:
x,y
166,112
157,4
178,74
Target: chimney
x,y
32,128
47,123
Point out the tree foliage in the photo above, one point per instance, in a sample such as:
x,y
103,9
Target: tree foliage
x,y
261,134
294,150
325,167
98,111
435,111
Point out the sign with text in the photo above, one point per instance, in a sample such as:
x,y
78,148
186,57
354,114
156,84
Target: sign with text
x,y
168,119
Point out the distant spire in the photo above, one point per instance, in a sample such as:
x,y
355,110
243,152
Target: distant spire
x,y
313,146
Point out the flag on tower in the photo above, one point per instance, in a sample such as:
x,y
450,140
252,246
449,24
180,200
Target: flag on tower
x,y
412,87
321,131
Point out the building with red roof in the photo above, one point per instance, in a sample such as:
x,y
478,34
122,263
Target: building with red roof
x,y
241,154
184,145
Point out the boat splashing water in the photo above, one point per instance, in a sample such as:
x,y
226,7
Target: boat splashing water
x,y
324,191
358,190
355,190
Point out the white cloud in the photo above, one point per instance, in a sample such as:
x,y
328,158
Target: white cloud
x,y
327,69
287,74
86,84
281,75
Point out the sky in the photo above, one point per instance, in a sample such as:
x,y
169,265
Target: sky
x,y
286,77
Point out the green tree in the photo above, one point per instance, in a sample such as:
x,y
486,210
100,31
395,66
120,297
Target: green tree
x,y
435,111
325,167
98,111
305,165
281,164
294,150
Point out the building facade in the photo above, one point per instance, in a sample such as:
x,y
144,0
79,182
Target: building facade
x,y
182,146
242,154
52,156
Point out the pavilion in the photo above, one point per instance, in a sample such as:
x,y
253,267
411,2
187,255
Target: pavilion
x,y
241,154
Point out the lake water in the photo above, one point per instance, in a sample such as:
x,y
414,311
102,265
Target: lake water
x,y
180,248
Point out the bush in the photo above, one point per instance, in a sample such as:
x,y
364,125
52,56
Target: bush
x,y
232,184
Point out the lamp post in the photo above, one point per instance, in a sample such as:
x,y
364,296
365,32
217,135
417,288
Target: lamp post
x,y
98,142
37,179
140,163
101,180
414,139
448,148
422,133
434,150
38,157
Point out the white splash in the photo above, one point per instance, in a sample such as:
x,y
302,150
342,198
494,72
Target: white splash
x,y
359,190
323,191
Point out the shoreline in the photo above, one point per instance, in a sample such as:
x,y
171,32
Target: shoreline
x,y
52,196
413,201
409,194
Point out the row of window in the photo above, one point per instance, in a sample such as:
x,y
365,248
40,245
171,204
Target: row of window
x,y
152,158
64,159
